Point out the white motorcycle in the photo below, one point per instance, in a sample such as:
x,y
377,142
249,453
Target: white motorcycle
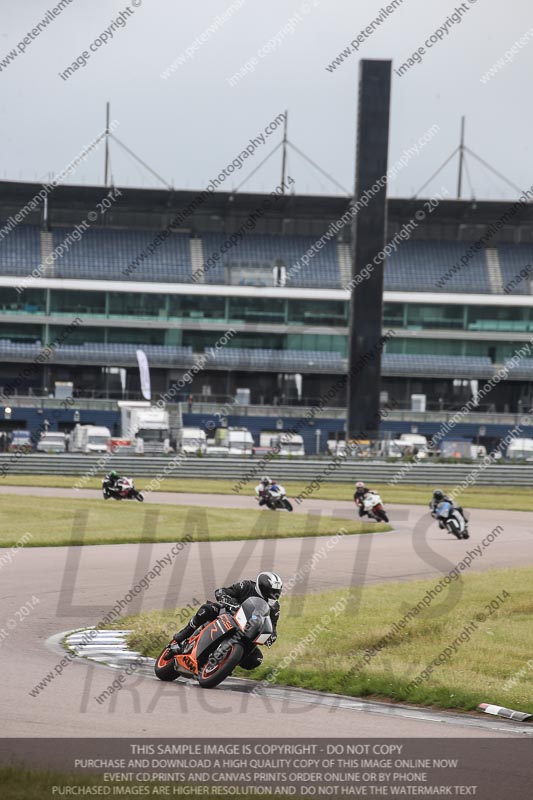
x,y
453,519
373,507
124,489
276,498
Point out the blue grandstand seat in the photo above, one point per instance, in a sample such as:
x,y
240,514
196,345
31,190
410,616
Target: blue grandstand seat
x,y
420,266
20,250
99,353
513,259
265,249
279,360
447,366
108,254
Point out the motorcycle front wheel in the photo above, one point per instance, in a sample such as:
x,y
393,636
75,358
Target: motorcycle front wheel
x,y
287,504
164,666
139,497
220,664
453,527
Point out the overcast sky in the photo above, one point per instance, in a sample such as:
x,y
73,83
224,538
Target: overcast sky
x,y
191,125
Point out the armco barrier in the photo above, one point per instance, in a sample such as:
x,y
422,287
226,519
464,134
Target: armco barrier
x,y
250,469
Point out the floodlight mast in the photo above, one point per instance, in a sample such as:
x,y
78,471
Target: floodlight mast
x,y
106,165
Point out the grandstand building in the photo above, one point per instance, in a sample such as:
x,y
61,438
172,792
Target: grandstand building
x,y
173,272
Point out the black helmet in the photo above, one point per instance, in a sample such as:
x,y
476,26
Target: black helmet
x,y
269,586
438,494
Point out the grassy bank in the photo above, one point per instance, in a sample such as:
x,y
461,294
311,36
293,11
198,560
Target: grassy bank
x,y
21,783
507,498
496,651
61,521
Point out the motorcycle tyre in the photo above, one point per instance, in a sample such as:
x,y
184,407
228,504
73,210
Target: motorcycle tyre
x,y
224,670
164,668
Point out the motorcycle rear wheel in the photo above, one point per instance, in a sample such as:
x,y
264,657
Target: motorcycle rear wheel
x,y
164,667
211,674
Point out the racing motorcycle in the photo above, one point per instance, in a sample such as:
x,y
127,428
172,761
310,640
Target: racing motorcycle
x,y
276,498
373,506
122,490
215,649
453,519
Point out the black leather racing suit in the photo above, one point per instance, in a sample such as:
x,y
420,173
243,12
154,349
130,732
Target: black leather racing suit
x,y
233,595
110,483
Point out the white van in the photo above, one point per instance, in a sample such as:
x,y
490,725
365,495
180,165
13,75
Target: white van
x,y
90,439
408,441
192,440
52,442
233,442
520,450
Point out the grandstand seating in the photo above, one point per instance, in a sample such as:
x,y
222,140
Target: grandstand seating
x,y
238,358
99,353
20,250
108,254
513,259
279,360
523,370
265,249
420,266
437,366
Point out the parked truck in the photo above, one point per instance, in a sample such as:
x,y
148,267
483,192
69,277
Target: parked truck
x,y
233,442
290,444
147,425
520,450
192,440
90,439
20,441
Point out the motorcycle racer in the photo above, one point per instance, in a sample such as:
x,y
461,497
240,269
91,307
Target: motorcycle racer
x,y
440,497
111,479
361,491
268,586
262,489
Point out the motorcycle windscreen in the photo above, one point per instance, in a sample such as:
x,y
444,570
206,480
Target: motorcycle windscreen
x,y
443,509
214,632
253,618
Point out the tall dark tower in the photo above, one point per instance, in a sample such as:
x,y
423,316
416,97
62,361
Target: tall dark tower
x,y
368,235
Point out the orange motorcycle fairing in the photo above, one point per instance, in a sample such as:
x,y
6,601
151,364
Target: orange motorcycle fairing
x,y
188,661
226,621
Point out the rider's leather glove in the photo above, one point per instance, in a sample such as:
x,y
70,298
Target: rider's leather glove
x,y
228,601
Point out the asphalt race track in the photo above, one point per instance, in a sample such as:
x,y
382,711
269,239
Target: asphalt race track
x,y
76,587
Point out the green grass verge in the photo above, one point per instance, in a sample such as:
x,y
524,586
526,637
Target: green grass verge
x,y
506,498
62,521
498,650
22,783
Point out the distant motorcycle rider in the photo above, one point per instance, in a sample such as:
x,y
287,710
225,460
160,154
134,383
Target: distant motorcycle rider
x,y
361,491
268,586
263,488
110,481
440,497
